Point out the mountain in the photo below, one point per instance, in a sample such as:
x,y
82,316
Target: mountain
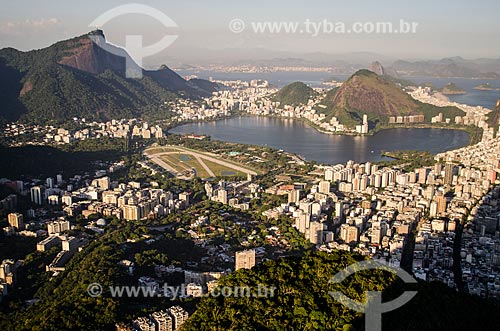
x,y
449,67
377,68
494,116
85,77
294,94
301,300
368,93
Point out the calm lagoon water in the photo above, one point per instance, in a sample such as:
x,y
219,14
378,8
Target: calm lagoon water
x,y
299,138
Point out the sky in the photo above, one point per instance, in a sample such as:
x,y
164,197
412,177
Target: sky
x,y
470,29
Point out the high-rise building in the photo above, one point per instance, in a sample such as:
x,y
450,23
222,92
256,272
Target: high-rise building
x,y
179,316
352,234
222,196
349,233
364,127
8,272
16,221
208,189
448,173
491,175
184,196
302,222
57,227
67,199
316,232
329,174
438,167
422,175
144,324
441,203
162,320
294,196
433,209
339,210
131,213
368,168
36,195
379,230
324,187
245,259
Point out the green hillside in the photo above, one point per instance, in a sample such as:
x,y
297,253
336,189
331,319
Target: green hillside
x,y
294,94
301,300
77,78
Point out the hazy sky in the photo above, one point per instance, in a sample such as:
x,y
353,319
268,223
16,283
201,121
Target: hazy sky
x,y
469,29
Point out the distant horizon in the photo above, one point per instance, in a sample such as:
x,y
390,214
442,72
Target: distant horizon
x,y
204,28
272,54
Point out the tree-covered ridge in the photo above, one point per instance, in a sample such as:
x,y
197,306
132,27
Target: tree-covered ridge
x,y
294,94
301,300
77,78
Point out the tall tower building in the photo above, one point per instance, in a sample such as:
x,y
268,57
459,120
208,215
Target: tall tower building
x,y
222,196
448,173
422,175
329,174
208,189
36,195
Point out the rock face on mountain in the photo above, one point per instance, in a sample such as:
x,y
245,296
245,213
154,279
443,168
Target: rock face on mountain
x,y
294,94
367,92
494,116
85,77
88,55
377,68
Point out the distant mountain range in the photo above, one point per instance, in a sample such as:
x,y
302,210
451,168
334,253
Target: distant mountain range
x,y
343,63
79,78
450,67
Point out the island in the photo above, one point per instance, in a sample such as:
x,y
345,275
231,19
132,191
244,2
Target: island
x,y
451,89
486,87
